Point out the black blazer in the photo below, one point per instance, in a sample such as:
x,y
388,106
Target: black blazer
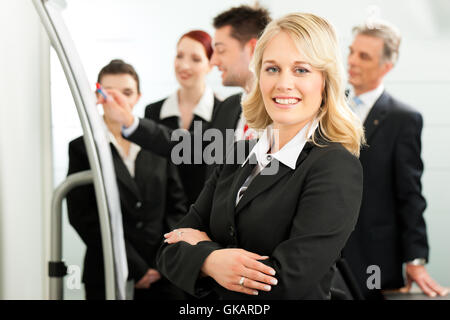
x,y
391,228
151,204
300,218
154,134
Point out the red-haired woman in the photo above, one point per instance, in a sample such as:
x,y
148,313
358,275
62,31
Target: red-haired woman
x,y
194,101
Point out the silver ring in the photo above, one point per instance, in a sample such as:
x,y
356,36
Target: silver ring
x,y
180,233
241,281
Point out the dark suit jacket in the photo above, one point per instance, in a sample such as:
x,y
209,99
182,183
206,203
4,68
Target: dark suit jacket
x,y
300,218
154,134
151,204
391,228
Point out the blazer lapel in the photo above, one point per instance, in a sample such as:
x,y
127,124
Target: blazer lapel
x,y
306,150
264,180
376,115
261,182
122,173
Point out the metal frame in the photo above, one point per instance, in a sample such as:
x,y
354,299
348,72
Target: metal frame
x,y
114,290
73,181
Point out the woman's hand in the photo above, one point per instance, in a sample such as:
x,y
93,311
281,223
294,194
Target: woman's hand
x,y
116,107
239,270
189,235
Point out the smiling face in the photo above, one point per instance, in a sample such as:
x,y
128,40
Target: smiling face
x,y
191,63
231,58
291,88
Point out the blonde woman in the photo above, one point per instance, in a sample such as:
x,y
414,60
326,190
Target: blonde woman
x,y
273,226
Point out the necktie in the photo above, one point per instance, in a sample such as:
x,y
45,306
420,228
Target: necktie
x,y
357,101
356,105
248,133
245,131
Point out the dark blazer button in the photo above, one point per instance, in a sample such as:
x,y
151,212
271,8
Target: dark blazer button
x,y
231,229
138,205
139,225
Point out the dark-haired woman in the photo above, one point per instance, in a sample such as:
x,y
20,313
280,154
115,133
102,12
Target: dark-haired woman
x,y
151,195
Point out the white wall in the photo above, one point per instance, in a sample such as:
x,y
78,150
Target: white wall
x,y
24,65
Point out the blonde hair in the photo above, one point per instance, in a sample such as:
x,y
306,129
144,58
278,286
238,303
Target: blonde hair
x,y
316,39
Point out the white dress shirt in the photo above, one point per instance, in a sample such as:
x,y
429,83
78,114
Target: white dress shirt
x,y
287,155
203,109
366,101
130,159
170,108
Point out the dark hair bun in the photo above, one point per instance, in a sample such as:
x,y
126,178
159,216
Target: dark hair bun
x,y
117,61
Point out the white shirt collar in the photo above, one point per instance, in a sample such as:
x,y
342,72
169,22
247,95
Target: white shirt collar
x,y
204,108
367,101
287,155
370,97
130,159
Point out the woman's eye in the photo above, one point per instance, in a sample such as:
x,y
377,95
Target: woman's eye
x,y
271,69
301,70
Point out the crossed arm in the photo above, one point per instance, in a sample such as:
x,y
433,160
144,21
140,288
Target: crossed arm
x,y
188,254
234,269
298,264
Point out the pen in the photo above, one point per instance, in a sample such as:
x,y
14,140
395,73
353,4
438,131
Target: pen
x,y
100,90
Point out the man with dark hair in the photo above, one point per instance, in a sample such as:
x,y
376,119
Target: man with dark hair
x,y
246,22
237,31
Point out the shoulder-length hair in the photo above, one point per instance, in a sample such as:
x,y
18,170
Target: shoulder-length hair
x,y
316,39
